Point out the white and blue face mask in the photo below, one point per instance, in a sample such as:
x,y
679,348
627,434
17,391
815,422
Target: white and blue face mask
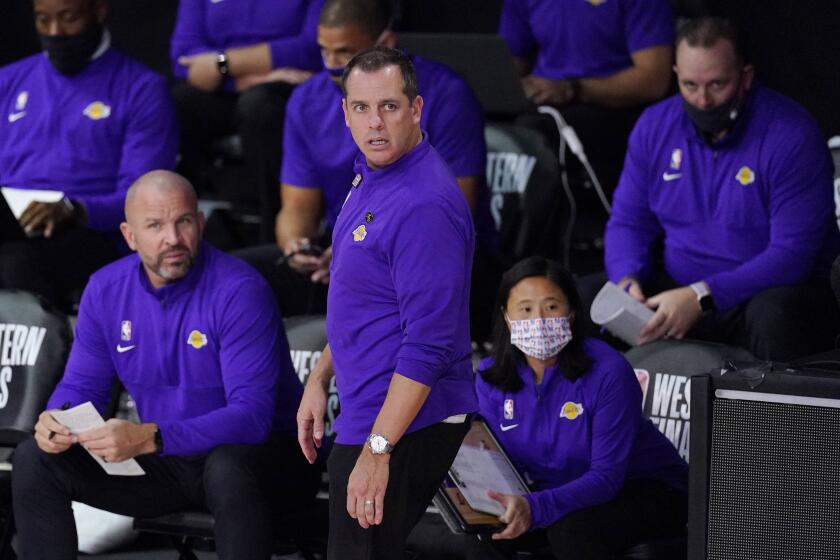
x,y
541,338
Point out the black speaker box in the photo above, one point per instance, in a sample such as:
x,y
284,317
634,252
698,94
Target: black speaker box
x,y
765,465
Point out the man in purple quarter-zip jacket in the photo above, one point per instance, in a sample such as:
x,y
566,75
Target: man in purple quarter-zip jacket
x,y
83,119
736,180
397,319
194,336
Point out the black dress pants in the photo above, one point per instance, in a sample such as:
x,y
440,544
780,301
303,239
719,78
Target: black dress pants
x,y
418,464
243,486
642,510
256,115
55,267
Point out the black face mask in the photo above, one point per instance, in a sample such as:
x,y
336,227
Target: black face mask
x,y
717,119
69,54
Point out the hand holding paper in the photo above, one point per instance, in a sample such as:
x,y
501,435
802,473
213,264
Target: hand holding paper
x,y
85,421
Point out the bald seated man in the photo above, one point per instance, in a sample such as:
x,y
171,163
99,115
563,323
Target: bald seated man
x,y
195,337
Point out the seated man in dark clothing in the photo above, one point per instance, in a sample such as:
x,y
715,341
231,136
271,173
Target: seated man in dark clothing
x,y
83,119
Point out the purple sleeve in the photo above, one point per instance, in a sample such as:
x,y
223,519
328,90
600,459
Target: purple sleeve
x,y
300,51
648,23
430,297
298,167
614,426
89,373
632,227
189,36
515,29
801,213
150,142
456,130
249,357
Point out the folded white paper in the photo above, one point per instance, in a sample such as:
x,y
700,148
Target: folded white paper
x,y
85,417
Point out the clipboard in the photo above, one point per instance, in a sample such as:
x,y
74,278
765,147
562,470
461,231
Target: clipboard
x,y
457,513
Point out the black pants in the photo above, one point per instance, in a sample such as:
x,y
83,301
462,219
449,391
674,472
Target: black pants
x,y
780,324
642,510
55,267
243,486
257,116
418,464
296,294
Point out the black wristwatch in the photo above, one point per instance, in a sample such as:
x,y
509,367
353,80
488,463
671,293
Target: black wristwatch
x,y
704,296
223,64
158,441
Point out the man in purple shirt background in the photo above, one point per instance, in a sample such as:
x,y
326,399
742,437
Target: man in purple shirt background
x,y
736,180
397,319
599,64
318,156
194,336
237,62
86,120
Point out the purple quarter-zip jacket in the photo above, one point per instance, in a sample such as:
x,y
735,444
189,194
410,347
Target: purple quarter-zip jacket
x,y
399,291
205,357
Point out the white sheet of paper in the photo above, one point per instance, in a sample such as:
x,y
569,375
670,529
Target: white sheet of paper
x,y
478,470
85,417
19,199
622,315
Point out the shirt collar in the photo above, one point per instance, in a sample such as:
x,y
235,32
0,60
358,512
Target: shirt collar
x,y
184,285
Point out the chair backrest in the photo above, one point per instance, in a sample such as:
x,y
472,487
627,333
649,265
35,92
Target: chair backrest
x,y
307,337
523,176
34,344
834,146
663,369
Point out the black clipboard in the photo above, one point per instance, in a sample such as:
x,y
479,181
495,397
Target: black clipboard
x,y
456,512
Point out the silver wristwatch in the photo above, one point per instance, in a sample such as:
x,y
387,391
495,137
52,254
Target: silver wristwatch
x,y
379,444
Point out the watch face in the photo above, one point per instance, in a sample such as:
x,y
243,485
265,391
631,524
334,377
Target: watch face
x,y
378,444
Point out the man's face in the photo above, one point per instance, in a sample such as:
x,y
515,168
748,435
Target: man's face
x,y
66,17
384,123
340,44
164,227
709,77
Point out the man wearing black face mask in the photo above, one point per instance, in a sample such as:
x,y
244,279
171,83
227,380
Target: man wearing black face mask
x,y
83,120
737,181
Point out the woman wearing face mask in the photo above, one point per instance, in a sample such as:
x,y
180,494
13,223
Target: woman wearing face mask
x,y
568,411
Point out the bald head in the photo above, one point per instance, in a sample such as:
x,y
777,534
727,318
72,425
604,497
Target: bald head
x,y
156,184
163,224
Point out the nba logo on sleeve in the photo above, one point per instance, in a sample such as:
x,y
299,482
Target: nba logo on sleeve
x,y
508,409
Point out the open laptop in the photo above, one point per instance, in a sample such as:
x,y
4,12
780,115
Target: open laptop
x,y
483,60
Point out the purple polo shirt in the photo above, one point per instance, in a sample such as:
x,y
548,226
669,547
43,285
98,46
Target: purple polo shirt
x,y
583,38
290,27
399,292
577,442
89,135
750,212
318,149
205,358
